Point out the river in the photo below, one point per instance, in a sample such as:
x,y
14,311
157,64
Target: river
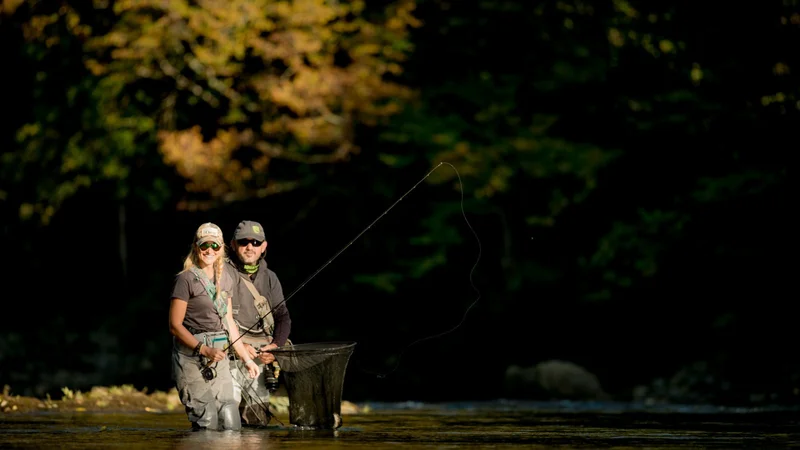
x,y
410,425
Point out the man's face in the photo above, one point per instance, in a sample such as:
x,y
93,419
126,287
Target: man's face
x,y
249,250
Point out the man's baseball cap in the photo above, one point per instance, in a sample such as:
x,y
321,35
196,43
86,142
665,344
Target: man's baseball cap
x,y
208,232
248,229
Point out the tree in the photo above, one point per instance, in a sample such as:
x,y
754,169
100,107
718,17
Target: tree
x,y
222,89
236,86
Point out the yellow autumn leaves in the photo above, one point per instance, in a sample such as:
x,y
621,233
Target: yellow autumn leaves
x,y
280,79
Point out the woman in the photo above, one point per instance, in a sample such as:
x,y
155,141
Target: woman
x,y
202,325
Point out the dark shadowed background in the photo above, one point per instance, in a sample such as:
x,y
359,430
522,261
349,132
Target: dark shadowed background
x,y
624,164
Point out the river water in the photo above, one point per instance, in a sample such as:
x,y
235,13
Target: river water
x,y
500,424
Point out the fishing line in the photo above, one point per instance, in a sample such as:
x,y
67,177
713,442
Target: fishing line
x,y
254,396
292,294
471,282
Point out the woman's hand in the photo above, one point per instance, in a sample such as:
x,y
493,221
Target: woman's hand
x,y
213,354
252,368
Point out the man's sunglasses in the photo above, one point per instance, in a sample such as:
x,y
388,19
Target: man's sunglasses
x,y
206,245
244,242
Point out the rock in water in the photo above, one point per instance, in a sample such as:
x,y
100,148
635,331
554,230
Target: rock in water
x,y
554,379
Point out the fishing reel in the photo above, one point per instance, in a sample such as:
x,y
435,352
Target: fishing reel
x,y
271,373
270,379
208,372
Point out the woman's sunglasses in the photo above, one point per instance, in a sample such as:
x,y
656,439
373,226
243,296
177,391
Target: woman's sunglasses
x,y
206,245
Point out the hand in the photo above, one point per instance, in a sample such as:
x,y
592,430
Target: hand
x,y
252,368
251,351
264,356
213,354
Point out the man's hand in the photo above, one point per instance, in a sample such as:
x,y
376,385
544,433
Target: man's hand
x,y
263,354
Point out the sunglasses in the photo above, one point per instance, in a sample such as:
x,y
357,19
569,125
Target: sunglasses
x,y
244,242
206,245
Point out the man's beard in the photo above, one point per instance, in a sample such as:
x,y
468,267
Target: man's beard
x,y
251,260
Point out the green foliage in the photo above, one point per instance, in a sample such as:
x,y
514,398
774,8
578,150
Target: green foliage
x,y
637,245
78,140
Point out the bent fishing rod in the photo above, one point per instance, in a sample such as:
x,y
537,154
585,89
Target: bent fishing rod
x,y
260,318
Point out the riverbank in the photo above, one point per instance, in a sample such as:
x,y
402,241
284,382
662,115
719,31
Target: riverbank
x,y
123,398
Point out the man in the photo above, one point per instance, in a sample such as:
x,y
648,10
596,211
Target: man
x,y
257,292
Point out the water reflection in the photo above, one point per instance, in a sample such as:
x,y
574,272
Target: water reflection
x,y
246,439
255,438
495,425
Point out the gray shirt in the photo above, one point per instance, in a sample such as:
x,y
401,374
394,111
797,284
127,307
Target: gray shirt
x,y
201,315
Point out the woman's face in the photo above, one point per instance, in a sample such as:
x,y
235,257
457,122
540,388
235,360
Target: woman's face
x,y
208,252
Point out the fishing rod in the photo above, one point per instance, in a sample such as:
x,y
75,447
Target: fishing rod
x,y
286,299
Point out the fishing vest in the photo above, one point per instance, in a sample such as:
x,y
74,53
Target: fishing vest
x,y
262,307
249,304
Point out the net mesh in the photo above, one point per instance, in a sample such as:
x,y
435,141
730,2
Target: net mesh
x,y
314,377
